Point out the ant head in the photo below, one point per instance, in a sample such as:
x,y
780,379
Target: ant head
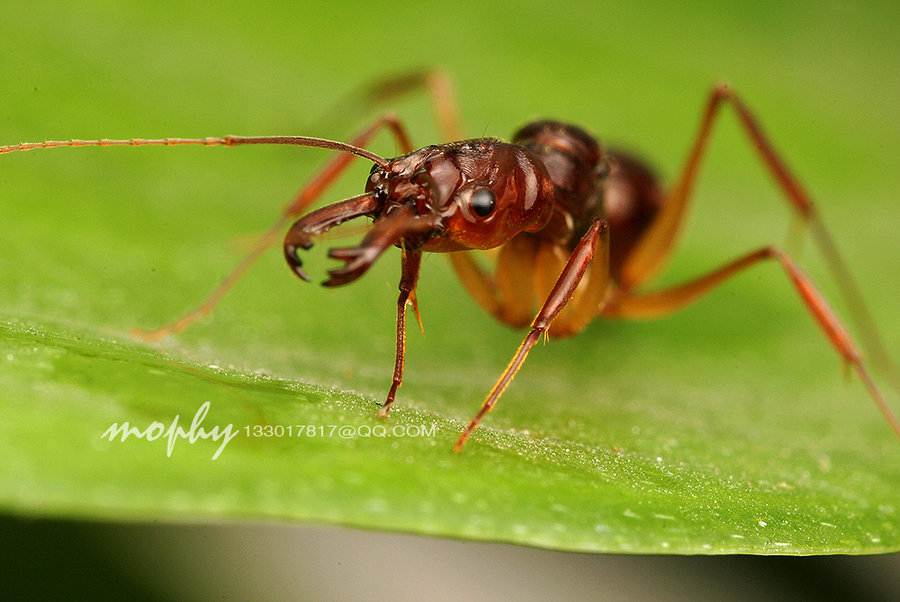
x,y
477,193
474,194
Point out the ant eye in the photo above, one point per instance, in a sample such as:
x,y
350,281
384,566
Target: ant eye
x,y
483,202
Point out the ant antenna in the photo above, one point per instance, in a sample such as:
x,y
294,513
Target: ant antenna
x,y
226,141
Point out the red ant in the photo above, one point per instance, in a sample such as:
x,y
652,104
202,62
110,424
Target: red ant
x,y
549,200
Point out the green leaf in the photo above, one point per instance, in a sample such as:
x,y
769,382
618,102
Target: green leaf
x,y
726,428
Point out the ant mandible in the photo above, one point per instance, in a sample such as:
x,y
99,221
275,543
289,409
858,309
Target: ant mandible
x,y
549,200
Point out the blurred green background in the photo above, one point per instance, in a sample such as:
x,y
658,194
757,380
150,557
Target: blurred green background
x,y
821,76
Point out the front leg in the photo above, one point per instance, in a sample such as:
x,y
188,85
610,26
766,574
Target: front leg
x,y
408,279
594,243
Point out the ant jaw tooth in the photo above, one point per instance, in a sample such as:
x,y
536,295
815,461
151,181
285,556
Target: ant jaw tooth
x,y
290,254
341,276
357,261
301,274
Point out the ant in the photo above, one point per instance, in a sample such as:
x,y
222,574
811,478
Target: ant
x,y
579,229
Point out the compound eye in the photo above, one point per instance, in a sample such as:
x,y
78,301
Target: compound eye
x,y
376,174
483,202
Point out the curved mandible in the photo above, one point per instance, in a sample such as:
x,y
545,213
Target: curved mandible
x,y
387,232
320,221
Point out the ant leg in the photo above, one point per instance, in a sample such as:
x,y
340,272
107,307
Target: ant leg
x,y
477,282
508,294
311,191
408,280
658,303
443,101
439,87
524,275
435,82
384,234
658,241
656,244
595,241
590,293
